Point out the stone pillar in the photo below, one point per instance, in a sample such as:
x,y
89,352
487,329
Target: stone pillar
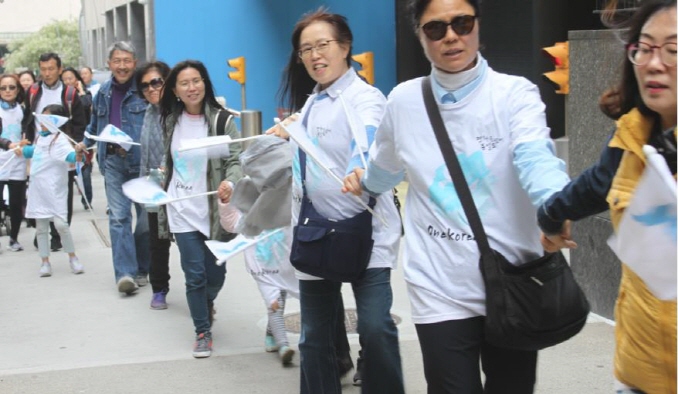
x,y
595,65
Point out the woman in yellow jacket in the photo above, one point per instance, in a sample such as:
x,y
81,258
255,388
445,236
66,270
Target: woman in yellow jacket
x,y
645,355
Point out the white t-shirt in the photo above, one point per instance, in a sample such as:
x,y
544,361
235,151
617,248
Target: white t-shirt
x,y
189,177
440,254
11,129
47,191
328,128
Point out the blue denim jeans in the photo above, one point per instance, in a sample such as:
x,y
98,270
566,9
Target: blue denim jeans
x,y
204,278
320,301
131,254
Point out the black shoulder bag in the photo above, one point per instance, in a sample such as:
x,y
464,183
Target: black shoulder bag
x,y
529,306
336,250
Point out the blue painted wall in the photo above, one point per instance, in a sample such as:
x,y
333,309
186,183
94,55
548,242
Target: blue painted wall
x,y
214,31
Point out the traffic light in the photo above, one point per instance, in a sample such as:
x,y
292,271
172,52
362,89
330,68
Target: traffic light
x,y
239,64
366,61
559,54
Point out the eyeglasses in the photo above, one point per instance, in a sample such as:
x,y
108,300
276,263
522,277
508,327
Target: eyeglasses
x,y
640,53
155,83
8,87
319,47
186,84
462,25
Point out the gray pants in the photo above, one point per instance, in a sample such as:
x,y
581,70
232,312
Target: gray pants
x,y
42,229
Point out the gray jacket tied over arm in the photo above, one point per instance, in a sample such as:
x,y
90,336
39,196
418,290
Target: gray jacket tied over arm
x,y
264,196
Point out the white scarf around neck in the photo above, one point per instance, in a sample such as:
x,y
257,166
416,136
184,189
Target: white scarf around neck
x,y
452,82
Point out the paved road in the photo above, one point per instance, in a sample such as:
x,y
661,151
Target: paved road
x,y
76,334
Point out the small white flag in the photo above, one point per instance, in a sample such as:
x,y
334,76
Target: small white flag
x,y
646,238
212,147
113,135
51,122
145,191
224,250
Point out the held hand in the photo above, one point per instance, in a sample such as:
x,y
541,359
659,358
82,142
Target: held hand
x,y
79,147
352,182
24,142
555,242
225,191
278,131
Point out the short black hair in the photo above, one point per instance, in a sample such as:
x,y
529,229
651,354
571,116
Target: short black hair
x,y
45,57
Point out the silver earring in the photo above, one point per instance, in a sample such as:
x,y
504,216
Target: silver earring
x,y
178,99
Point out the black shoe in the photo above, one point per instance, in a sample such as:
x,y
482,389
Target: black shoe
x,y
55,245
344,364
357,378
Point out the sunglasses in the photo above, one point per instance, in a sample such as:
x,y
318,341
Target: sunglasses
x,y
462,25
155,83
8,87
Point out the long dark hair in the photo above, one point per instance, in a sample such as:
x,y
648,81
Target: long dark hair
x,y
76,73
161,67
21,94
296,84
629,93
171,104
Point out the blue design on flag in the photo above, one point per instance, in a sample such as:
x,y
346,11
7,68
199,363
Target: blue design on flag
x,y
236,246
659,216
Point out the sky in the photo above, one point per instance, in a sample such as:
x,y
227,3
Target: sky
x,y
28,16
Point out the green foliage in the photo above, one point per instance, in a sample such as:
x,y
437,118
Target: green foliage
x,y
61,37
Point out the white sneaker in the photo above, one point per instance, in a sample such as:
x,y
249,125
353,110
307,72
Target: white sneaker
x,y
76,267
45,270
127,285
14,246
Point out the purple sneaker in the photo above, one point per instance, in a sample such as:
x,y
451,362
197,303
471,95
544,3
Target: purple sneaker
x,y
158,301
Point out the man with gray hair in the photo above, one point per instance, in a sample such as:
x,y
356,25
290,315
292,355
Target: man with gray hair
x,y
119,104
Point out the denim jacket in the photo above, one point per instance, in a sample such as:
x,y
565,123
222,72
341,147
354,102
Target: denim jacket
x,y
132,114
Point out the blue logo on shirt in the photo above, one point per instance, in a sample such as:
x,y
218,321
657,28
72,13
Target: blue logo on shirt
x,y
479,178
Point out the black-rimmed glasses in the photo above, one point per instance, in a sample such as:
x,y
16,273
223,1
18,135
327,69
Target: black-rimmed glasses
x,y
462,25
640,53
155,83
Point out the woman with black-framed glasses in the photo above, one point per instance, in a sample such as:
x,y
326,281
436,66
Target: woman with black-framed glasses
x,y
150,79
499,132
15,130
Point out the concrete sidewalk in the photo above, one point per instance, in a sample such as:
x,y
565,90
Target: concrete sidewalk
x,y
76,334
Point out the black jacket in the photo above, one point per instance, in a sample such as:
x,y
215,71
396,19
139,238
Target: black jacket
x,y
584,196
78,114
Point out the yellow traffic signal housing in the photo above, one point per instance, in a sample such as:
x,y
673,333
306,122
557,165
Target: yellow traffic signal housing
x,y
366,61
239,75
559,55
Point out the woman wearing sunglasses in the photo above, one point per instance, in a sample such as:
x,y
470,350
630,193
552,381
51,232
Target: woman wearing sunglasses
x,y
498,127
341,107
645,353
14,127
150,79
